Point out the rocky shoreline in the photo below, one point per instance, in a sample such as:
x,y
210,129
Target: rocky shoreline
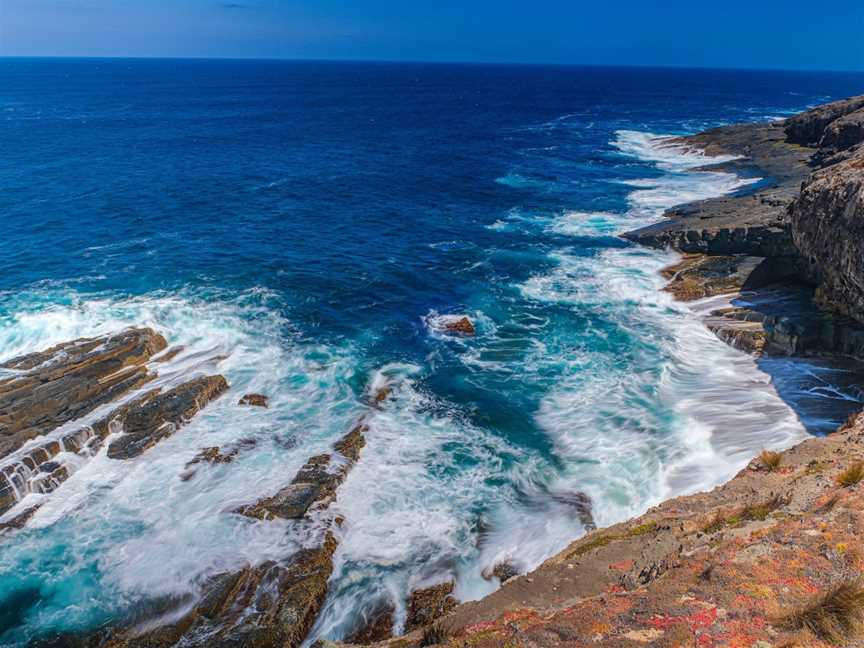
x,y
773,557
760,561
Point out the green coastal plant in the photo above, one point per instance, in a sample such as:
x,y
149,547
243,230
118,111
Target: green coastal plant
x,y
836,617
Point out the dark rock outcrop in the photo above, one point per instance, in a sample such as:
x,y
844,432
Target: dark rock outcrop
x,y
314,485
844,133
256,400
828,228
159,416
65,382
808,128
782,320
461,326
427,605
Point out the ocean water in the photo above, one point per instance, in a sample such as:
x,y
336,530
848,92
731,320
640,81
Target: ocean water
x,y
313,222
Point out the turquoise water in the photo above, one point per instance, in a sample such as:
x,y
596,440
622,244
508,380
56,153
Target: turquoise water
x,y
315,223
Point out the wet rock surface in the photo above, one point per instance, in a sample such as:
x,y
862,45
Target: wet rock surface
x,y
460,326
255,400
46,389
314,485
40,391
158,416
376,626
428,604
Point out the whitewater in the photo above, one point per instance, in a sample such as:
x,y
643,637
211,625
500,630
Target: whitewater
x,y
412,504
304,230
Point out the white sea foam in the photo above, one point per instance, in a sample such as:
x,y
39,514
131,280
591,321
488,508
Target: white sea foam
x,y
414,503
145,530
630,432
666,151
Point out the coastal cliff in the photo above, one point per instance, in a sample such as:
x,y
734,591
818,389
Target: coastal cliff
x,y
774,556
771,558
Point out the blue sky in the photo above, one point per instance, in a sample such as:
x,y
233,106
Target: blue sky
x,y
756,33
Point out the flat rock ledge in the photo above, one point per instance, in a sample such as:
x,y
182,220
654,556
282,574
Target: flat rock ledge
x,y
41,391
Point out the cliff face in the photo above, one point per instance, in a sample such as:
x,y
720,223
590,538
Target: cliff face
x,y
827,218
809,128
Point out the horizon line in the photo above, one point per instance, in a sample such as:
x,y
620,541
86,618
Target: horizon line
x,y
133,57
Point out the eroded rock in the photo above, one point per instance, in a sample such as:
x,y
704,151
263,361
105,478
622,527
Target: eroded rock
x,y
461,326
429,604
51,387
256,400
315,483
808,128
828,224
158,417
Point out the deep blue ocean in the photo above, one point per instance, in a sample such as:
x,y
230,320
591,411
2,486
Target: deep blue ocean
x,y
315,223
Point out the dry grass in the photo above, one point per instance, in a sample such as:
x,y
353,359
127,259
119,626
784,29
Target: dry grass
x,y
852,475
836,617
770,460
750,513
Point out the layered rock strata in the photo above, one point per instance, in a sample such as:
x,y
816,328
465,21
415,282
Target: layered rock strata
x,y
48,389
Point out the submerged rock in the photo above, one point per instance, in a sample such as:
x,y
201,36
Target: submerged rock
x,y
429,604
581,504
256,400
270,605
67,381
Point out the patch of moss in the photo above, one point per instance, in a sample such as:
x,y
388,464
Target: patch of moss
x,y
599,540
642,529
